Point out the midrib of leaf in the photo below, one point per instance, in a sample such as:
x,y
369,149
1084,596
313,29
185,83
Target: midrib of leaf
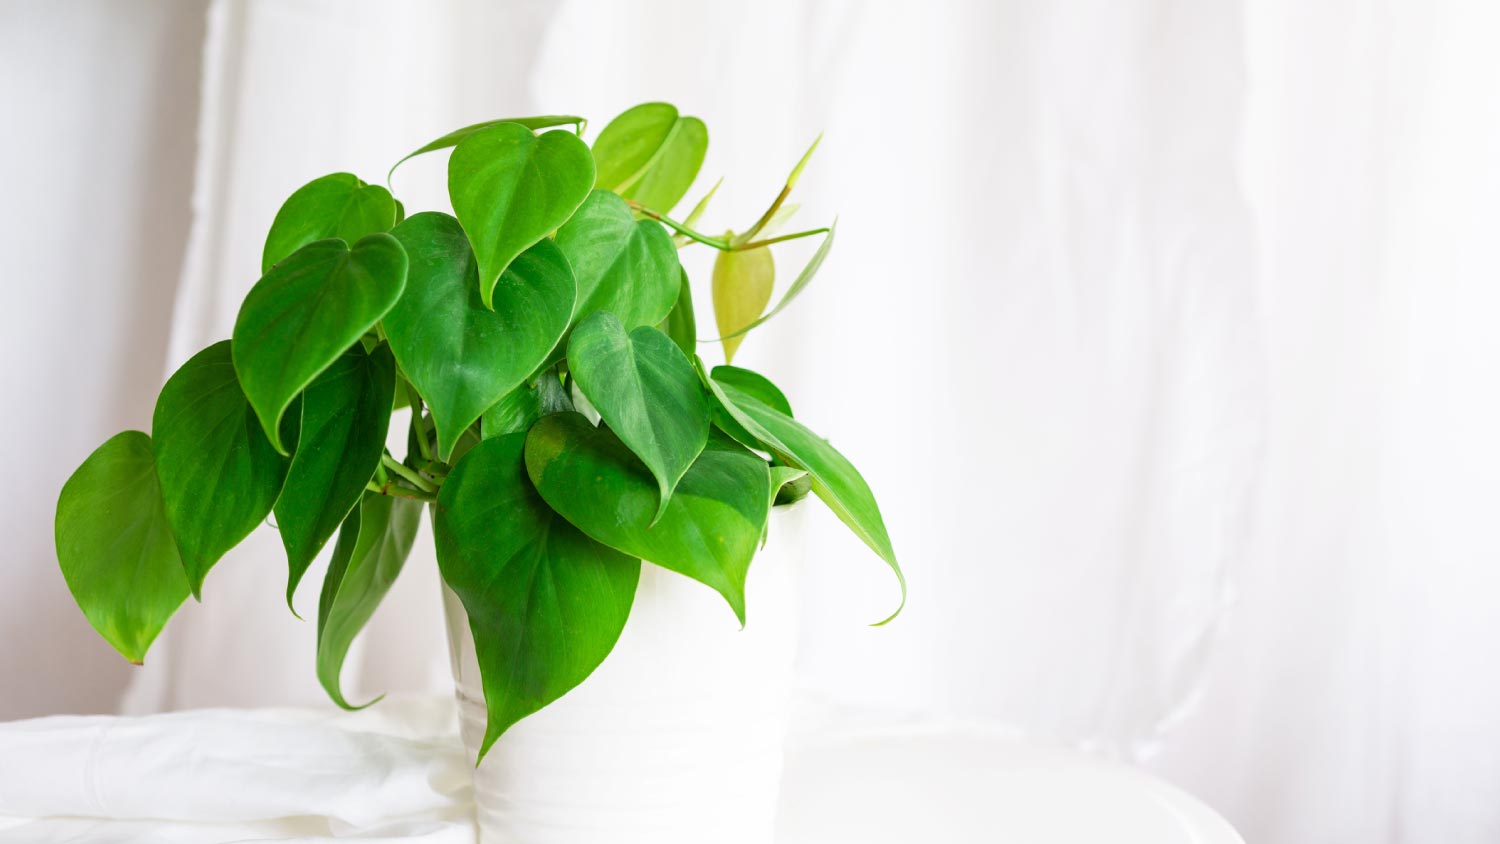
x,y
656,156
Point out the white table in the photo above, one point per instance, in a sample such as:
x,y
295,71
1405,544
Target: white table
x,y
395,773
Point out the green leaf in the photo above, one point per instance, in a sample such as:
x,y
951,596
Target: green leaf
x,y
115,546
681,323
646,390
337,205
710,528
834,478
461,356
510,188
522,406
305,312
345,414
545,603
650,154
373,545
742,287
622,265
755,384
219,474
457,135
804,278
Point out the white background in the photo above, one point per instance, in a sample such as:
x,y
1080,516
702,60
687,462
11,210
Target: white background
x,y
1164,330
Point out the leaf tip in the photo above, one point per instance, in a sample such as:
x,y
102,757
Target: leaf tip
x,y
901,578
791,180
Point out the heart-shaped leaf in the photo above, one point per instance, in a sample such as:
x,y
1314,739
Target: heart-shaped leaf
x,y
834,478
462,356
709,530
646,390
337,205
743,281
373,545
622,265
219,474
521,407
510,188
453,138
545,603
305,312
681,323
345,413
115,545
650,154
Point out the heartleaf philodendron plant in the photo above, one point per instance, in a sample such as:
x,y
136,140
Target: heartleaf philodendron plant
x,y
554,287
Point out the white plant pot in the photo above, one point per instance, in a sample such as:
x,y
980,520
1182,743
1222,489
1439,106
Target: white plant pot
x,y
676,739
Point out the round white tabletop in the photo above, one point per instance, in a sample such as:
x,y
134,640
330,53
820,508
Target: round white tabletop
x,y
958,787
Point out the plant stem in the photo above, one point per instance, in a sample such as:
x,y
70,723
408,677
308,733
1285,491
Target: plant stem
x,y
415,400
720,243
766,217
770,240
716,242
437,471
395,491
408,475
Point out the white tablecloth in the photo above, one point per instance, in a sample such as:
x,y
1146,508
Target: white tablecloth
x,y
396,773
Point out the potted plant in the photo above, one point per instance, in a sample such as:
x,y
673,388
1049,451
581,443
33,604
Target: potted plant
x,y
581,464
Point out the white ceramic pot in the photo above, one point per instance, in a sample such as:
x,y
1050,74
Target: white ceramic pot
x,y
676,739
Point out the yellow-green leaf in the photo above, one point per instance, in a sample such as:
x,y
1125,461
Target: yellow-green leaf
x,y
743,281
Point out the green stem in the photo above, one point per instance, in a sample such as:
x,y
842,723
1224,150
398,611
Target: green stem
x,y
766,217
716,242
395,491
408,475
438,471
415,400
770,240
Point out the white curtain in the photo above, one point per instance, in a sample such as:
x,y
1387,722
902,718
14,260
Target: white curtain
x,y
1160,327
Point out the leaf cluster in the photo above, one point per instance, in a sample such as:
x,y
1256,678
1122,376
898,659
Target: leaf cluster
x,y
538,345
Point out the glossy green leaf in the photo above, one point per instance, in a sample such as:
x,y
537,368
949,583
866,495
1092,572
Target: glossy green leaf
x,y
457,135
743,281
834,478
545,603
115,546
461,356
305,312
804,278
710,528
337,205
650,154
621,264
755,384
681,323
219,474
521,407
510,188
345,414
646,390
373,546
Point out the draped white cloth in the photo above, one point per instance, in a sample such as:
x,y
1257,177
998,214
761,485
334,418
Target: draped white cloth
x,y
1160,327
